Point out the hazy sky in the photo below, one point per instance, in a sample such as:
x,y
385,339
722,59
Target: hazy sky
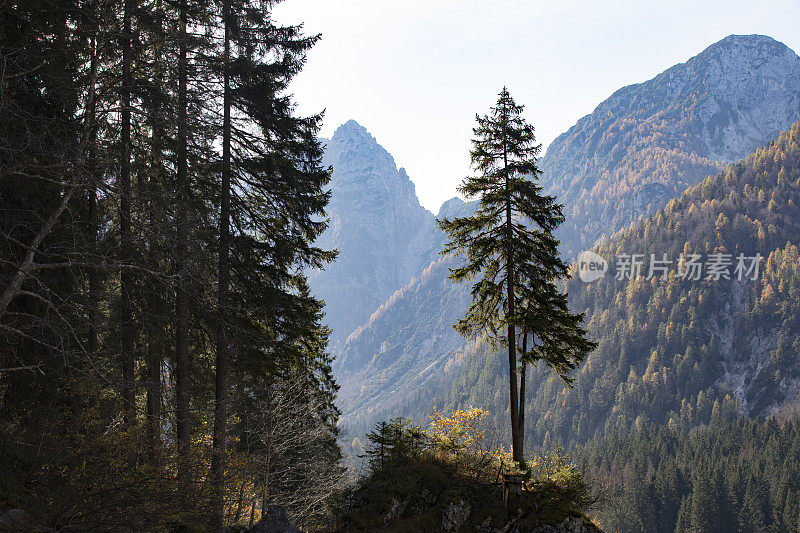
x,y
415,72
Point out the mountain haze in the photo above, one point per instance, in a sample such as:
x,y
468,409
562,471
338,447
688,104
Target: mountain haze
x,y
383,364
383,234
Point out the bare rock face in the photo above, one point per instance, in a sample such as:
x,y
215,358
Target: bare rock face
x,y
649,142
408,344
455,515
16,520
383,234
571,524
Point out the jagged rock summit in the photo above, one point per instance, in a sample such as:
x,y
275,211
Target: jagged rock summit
x,y
383,234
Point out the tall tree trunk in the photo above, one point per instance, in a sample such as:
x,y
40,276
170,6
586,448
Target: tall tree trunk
x,y
516,441
521,409
94,292
154,363
181,237
93,278
221,377
155,357
126,283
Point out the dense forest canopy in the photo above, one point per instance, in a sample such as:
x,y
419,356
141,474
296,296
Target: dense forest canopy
x,y
159,198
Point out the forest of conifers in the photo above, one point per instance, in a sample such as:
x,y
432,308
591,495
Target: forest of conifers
x,y
163,361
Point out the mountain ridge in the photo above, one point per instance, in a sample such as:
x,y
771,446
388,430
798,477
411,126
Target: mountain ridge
x,y
650,141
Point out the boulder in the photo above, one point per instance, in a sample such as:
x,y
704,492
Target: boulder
x,y
274,520
15,520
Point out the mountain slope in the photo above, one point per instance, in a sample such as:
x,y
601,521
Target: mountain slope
x,y
408,347
648,142
383,234
672,349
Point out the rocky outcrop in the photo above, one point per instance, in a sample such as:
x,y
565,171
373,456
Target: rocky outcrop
x,y
455,515
19,521
571,524
274,520
16,520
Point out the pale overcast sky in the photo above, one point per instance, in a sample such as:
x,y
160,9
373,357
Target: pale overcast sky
x,y
415,72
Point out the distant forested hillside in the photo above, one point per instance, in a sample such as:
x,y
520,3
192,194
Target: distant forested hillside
x,y
670,348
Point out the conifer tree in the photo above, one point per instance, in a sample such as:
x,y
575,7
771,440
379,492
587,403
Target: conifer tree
x,y
509,245
272,199
127,357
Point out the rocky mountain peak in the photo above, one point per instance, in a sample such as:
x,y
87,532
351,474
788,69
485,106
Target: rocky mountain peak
x,y
383,235
650,141
360,163
353,133
453,207
749,44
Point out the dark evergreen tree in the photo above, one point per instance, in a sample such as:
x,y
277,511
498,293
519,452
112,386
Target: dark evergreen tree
x,y
271,201
508,243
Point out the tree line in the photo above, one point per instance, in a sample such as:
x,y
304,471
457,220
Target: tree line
x,y
735,474
163,360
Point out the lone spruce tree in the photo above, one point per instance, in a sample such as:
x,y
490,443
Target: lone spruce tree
x,y
508,245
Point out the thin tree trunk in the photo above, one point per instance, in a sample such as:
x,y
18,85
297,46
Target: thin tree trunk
x,y
154,364
221,377
522,365
94,292
155,358
126,283
516,441
181,297
93,278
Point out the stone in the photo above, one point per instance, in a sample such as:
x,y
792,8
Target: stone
x,y
15,520
274,520
455,514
